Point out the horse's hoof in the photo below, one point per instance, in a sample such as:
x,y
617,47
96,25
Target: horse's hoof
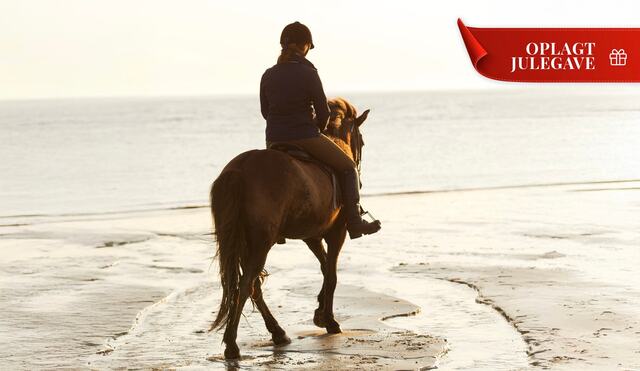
x,y
333,328
318,318
231,352
281,339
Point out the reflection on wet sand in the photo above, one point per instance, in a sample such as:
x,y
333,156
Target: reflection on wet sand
x,y
486,279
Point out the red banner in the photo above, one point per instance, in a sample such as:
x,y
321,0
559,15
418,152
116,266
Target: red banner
x,y
554,54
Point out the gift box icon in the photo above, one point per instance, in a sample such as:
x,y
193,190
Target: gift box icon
x,y
618,57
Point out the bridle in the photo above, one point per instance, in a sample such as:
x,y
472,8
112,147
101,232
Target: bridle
x,y
356,146
356,150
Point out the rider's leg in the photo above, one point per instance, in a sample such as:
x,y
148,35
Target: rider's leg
x,y
325,150
351,195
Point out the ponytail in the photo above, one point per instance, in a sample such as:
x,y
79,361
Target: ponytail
x,y
288,52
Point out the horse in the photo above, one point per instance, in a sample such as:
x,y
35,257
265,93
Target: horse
x,y
264,196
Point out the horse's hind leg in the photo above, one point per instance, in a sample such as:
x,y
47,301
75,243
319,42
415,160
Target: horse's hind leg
x,y
278,335
231,331
315,245
250,271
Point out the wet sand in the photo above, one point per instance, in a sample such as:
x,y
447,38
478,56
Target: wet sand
x,y
497,279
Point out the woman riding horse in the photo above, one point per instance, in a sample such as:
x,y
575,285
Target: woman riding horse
x,y
264,196
290,92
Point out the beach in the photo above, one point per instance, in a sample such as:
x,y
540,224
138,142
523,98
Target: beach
x,y
498,279
509,237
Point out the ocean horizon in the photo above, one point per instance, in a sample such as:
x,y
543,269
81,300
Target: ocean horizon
x,y
106,155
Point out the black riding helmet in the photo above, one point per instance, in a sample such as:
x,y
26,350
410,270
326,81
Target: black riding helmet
x,y
295,33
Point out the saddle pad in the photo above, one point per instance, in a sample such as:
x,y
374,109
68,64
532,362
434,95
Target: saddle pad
x,y
300,154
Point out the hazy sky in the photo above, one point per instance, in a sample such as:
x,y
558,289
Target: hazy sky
x,y
61,48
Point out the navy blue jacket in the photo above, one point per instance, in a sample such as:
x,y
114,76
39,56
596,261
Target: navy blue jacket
x,y
292,101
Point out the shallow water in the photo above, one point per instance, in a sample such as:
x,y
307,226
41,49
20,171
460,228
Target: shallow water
x,y
141,293
67,287
139,288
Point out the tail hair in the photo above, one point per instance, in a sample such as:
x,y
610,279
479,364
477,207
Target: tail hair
x,y
229,230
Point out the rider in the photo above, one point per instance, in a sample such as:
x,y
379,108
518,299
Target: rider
x,y
290,93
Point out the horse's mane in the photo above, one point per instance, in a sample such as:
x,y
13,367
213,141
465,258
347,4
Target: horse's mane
x,y
336,131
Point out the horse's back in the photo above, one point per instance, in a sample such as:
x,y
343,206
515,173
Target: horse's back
x,y
271,168
279,189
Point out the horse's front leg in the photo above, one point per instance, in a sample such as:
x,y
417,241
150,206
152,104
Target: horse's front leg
x,y
315,245
335,240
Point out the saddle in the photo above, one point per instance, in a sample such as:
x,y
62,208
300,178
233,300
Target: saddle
x,y
300,154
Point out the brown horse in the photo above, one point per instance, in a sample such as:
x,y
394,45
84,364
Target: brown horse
x,y
263,196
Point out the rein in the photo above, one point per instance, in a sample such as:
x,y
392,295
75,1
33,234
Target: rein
x,y
356,149
356,146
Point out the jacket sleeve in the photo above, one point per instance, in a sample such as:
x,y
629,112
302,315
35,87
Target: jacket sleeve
x,y
319,100
264,104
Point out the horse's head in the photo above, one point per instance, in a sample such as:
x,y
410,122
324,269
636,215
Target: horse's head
x,y
344,127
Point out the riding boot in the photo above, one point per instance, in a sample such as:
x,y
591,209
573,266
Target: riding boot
x,y
351,200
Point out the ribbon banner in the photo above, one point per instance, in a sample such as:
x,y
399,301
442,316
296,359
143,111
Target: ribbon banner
x,y
554,54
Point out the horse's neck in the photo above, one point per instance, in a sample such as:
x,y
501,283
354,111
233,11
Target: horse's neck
x,y
344,146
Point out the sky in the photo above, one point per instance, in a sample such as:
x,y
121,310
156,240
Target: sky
x,y
111,48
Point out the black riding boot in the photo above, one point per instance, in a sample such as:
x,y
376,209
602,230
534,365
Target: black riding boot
x,y
351,199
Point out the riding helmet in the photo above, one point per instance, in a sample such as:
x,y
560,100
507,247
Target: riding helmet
x,y
295,33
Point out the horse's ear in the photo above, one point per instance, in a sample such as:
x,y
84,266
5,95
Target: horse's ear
x,y
360,119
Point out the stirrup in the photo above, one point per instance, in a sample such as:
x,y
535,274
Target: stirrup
x,y
363,213
357,232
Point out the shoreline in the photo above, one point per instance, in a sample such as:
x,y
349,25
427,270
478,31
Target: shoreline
x,y
505,277
201,204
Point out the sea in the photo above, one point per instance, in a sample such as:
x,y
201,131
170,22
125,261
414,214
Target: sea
x,y
76,156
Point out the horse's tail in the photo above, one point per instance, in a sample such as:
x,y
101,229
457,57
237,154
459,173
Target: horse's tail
x,y
226,209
